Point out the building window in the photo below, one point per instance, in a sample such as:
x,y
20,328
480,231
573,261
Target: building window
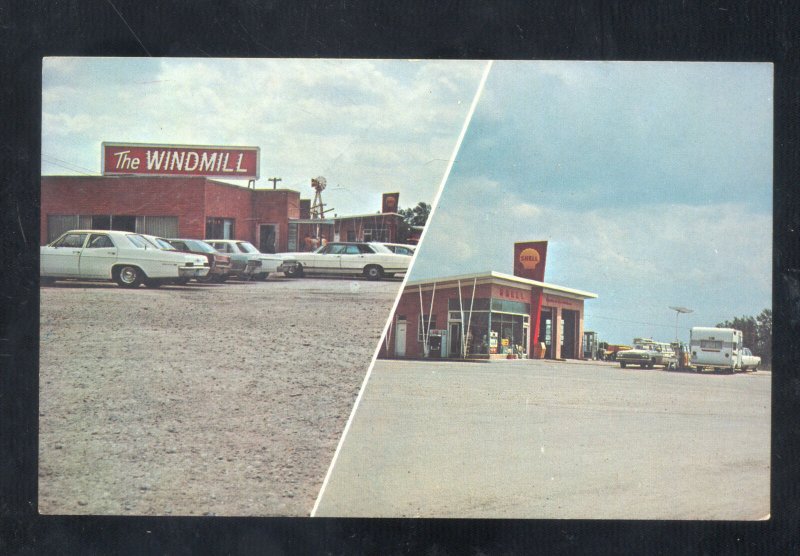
x,y
219,228
161,226
376,234
425,324
57,224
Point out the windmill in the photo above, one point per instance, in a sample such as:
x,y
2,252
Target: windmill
x,y
317,206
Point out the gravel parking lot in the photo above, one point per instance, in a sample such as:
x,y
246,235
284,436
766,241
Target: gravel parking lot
x,y
204,399
542,439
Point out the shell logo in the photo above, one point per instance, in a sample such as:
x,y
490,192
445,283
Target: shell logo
x,y
529,258
390,201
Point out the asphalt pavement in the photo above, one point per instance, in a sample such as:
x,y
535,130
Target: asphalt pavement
x,y
550,439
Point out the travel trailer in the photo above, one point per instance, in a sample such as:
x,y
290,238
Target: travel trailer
x,y
716,348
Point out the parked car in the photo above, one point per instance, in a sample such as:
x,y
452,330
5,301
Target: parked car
x,y
127,258
401,248
373,260
647,353
220,264
750,362
244,254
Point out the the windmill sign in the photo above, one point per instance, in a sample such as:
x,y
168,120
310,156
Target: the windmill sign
x,y
125,159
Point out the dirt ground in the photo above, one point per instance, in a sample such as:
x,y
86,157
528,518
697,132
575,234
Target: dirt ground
x,y
554,440
205,399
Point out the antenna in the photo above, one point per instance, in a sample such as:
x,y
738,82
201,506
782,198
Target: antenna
x,y
678,310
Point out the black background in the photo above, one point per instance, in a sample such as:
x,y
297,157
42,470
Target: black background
x,y
602,30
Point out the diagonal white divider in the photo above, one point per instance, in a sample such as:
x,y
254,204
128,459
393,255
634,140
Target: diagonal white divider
x,y
445,176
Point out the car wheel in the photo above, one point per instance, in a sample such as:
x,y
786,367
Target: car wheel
x,y
373,272
622,364
207,278
128,276
262,277
295,271
219,279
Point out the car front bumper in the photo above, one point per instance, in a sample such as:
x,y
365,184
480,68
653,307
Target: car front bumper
x,y
192,271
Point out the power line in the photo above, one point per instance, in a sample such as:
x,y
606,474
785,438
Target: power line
x,y
68,165
630,321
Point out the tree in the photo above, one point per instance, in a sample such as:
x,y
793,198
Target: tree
x,y
416,216
756,333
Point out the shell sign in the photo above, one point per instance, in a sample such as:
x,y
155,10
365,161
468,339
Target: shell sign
x,y
529,259
390,201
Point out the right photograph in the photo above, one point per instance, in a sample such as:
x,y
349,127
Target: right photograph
x,y
586,331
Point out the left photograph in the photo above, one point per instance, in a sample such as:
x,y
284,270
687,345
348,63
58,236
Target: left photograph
x,y
222,241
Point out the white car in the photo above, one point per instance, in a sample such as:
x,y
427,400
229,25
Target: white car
x,y
269,263
373,260
750,362
127,258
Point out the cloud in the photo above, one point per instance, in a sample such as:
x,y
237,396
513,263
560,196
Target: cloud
x,y
368,125
714,259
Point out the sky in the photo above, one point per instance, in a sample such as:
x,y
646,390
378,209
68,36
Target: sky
x,y
652,183
368,126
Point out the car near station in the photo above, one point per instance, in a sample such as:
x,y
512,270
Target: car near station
x,y
372,260
220,265
244,257
750,362
647,354
401,248
129,259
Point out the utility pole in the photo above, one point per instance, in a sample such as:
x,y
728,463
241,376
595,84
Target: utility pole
x,y
274,182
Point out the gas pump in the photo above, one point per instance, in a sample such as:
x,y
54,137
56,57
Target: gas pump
x,y
437,343
590,345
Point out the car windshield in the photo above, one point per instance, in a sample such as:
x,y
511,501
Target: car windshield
x,y
163,244
201,246
378,248
138,241
246,247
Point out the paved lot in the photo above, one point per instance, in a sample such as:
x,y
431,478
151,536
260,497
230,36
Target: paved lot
x,y
203,399
536,439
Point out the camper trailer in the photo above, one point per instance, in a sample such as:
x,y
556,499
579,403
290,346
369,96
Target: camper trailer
x,y
716,348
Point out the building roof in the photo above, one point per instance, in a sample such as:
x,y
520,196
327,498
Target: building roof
x,y
372,215
496,277
326,221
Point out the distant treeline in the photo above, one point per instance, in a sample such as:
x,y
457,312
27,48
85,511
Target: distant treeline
x,y
757,332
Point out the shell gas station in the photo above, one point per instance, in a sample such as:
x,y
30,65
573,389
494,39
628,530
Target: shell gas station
x,y
489,315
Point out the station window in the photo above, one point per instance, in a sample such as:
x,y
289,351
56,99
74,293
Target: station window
x,y
220,228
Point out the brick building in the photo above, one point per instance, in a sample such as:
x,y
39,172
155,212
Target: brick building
x,y
488,315
199,207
